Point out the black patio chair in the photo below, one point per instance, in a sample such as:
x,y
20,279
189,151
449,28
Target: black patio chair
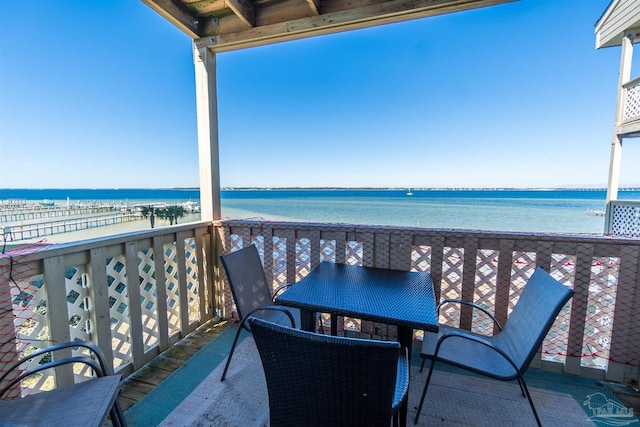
x,y
252,294
506,355
323,380
85,403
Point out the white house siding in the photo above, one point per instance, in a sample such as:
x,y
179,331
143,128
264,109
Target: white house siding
x,y
620,16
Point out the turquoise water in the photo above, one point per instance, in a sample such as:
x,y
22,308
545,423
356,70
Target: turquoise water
x,y
502,210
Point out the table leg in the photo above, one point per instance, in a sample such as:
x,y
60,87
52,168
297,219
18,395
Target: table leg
x,y
405,338
334,324
307,320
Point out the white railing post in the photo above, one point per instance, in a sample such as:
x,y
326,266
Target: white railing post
x,y
625,334
58,314
161,292
134,309
100,316
8,332
182,283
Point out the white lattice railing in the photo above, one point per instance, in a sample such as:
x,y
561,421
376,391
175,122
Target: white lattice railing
x,y
84,290
623,218
631,109
597,335
134,295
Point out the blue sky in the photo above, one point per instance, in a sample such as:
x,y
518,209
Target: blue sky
x,y
101,94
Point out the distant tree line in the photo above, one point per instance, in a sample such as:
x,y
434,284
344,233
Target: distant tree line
x,y
172,213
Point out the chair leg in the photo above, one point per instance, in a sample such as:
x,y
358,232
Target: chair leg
x,y
321,324
117,416
422,364
424,391
526,390
521,384
233,347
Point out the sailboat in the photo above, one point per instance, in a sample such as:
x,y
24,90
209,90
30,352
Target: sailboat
x,y
409,193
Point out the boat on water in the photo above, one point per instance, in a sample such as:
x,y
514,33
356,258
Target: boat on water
x,y
191,206
595,212
409,193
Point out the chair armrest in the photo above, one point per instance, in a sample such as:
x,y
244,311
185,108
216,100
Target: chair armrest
x,y
402,380
280,289
475,338
471,304
85,344
274,308
75,359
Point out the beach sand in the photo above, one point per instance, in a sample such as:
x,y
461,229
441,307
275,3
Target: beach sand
x,y
103,231
128,227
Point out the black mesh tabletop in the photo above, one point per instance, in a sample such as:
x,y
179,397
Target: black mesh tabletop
x,y
400,298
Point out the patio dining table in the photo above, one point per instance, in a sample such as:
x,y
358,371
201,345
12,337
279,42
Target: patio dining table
x,y
402,298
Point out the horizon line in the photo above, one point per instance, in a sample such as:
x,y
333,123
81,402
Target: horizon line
x,y
588,188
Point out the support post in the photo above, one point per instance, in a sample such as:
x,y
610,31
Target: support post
x,y
616,143
204,62
207,120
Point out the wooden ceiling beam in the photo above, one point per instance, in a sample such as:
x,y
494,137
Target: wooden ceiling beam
x,y
360,17
180,17
206,7
244,10
314,5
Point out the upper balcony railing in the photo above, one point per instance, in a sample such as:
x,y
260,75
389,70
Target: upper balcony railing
x,y
632,100
136,294
629,122
623,218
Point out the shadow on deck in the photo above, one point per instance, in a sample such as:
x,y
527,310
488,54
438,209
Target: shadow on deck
x,y
157,393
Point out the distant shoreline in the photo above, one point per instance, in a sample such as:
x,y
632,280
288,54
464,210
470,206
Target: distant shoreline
x,y
339,188
430,188
505,209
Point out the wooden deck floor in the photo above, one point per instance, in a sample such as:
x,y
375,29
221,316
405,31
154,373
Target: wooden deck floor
x,y
151,375
137,385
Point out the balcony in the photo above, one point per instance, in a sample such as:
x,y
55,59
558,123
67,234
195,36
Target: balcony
x,y
193,394
137,295
629,125
623,218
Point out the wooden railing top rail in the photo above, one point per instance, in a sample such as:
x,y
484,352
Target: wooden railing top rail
x,y
329,227
631,83
61,249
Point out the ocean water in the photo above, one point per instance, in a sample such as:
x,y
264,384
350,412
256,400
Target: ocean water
x,y
503,210
500,210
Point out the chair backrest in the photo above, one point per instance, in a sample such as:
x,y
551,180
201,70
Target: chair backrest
x,y
247,280
324,380
537,308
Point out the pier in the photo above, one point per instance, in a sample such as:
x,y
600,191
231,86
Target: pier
x,y
12,233
21,220
35,211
